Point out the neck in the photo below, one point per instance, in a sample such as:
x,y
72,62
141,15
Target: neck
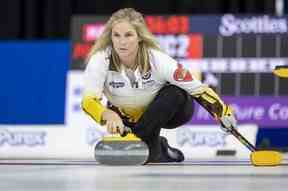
x,y
129,62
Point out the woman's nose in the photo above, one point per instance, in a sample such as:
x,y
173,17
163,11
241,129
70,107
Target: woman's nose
x,y
122,40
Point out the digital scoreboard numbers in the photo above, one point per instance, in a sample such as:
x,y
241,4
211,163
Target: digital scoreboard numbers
x,y
172,32
236,54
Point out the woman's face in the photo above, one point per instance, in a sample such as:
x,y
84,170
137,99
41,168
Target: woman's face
x,y
125,40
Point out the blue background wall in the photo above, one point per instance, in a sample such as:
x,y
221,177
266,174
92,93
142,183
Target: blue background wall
x,y
32,81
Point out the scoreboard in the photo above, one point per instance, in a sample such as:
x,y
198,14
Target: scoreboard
x,y
236,54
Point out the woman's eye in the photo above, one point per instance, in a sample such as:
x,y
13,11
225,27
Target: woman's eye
x,y
116,35
128,34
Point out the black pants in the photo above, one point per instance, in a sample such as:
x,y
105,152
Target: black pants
x,y
171,108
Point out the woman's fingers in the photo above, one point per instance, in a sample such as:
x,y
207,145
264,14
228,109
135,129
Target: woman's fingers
x,y
114,123
109,127
120,129
115,127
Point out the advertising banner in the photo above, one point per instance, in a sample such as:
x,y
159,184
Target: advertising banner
x,y
48,142
230,24
263,111
78,141
207,141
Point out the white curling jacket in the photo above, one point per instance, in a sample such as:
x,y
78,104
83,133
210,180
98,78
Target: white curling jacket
x,y
132,96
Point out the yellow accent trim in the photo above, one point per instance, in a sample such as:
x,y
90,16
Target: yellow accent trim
x,y
228,110
133,114
93,107
128,137
281,71
266,158
208,98
208,94
213,94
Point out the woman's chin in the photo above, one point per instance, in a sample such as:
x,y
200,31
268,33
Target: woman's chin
x,y
123,55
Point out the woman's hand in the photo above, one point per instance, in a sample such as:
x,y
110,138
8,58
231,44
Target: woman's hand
x,y
228,120
113,121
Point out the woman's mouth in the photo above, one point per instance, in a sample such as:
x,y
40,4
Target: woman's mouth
x,y
123,50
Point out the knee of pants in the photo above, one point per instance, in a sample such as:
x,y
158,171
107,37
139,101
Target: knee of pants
x,y
173,94
188,109
183,115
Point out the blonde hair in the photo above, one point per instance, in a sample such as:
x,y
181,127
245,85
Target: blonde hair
x,y
147,40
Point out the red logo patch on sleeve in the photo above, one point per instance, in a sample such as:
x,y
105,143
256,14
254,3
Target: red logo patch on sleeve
x,y
181,74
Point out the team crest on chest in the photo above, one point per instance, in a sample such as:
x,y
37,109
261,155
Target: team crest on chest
x,y
147,75
181,74
147,79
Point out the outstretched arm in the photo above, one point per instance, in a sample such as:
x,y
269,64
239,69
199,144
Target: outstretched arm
x,y
216,107
177,74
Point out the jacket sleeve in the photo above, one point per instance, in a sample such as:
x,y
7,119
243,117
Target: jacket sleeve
x,y
94,78
177,74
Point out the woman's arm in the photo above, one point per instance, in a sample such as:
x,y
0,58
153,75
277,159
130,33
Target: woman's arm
x,y
94,108
216,107
177,74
